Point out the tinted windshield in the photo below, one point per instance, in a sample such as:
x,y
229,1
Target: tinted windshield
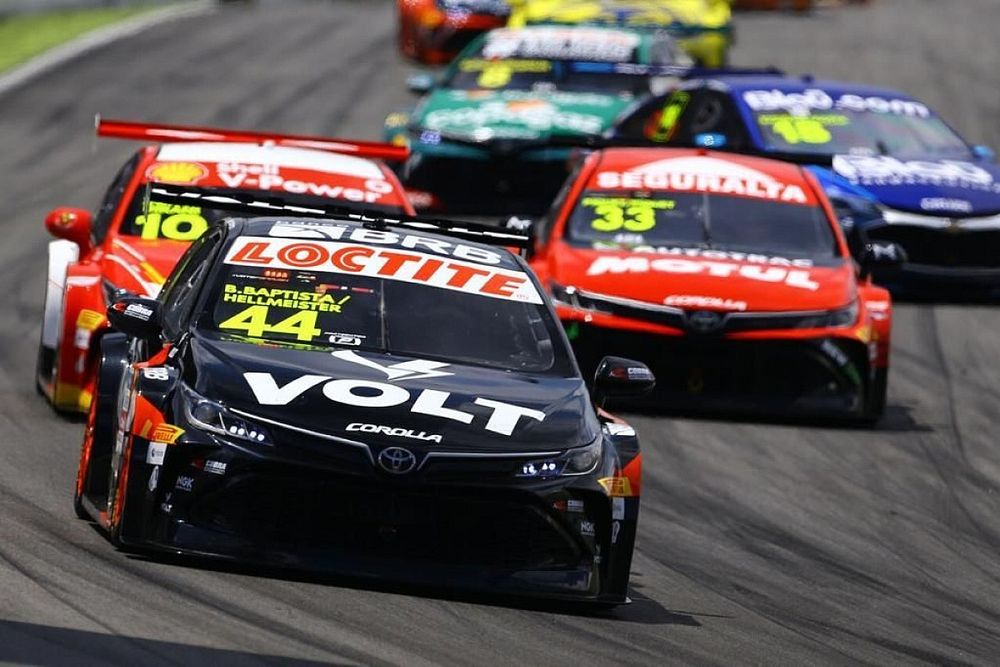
x,y
694,220
410,317
158,220
907,132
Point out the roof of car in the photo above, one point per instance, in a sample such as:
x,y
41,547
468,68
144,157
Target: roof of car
x,y
279,156
626,159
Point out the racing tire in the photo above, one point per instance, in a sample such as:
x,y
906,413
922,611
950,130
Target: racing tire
x,y
100,427
875,401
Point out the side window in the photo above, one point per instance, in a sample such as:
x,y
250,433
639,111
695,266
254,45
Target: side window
x,y
112,198
655,119
181,289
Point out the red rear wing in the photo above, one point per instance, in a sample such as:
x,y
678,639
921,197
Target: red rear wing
x,y
123,129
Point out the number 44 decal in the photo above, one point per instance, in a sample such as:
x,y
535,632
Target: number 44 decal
x,y
253,320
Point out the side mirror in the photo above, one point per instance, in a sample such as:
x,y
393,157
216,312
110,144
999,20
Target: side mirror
x,y
72,224
137,317
420,83
881,254
984,153
617,377
709,140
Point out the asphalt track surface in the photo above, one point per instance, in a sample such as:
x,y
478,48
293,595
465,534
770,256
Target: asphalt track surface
x,y
759,543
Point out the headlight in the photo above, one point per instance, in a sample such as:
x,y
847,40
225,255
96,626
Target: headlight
x,y
852,209
841,317
214,417
571,297
576,461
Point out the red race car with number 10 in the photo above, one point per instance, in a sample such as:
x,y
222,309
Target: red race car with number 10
x,y
133,241
728,275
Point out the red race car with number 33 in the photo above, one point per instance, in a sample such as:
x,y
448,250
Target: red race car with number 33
x,y
728,275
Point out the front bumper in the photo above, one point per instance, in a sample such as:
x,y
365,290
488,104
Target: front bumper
x,y
825,376
941,259
563,538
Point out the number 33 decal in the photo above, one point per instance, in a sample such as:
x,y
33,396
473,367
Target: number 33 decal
x,y
631,219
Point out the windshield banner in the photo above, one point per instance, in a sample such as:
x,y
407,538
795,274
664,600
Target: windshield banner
x,y
391,264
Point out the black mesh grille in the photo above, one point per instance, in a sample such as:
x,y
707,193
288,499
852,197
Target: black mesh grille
x,y
943,247
372,518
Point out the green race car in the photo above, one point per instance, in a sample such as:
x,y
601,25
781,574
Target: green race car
x,y
485,139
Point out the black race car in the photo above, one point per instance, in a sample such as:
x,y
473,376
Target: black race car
x,y
363,396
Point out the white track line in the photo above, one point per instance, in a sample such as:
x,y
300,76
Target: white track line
x,y
97,38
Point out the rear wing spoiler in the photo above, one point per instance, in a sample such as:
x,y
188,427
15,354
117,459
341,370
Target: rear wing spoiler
x,y
123,129
253,204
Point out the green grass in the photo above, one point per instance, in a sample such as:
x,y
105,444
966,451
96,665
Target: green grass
x,y
25,36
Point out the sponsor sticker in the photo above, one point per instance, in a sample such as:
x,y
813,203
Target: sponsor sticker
x,y
216,467
166,433
184,483
405,266
704,174
802,103
695,301
395,432
617,508
575,506
156,452
610,265
617,487
180,173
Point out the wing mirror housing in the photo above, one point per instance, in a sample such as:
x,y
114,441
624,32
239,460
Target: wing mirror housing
x,y
71,224
420,83
137,317
617,377
881,255
984,153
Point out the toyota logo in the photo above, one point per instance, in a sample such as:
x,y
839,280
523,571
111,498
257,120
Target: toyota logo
x,y
397,460
705,321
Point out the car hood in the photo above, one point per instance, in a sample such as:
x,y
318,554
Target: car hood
x,y
140,266
705,279
483,116
468,407
952,188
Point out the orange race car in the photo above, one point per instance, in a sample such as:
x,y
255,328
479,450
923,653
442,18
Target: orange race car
x,y
133,241
433,31
729,276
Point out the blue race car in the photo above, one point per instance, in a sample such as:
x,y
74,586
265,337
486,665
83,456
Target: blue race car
x,y
899,177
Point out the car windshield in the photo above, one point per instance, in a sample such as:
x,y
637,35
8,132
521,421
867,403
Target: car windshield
x,y
541,76
152,219
667,220
849,132
419,316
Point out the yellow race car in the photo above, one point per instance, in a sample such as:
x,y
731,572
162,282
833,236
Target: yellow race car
x,y
703,27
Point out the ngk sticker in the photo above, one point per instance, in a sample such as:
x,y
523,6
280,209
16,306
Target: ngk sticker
x,y
391,264
799,278
703,174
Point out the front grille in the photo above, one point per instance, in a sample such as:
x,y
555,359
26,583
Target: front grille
x,y
678,318
492,528
742,369
949,247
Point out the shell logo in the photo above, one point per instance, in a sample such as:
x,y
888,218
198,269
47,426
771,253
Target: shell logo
x,y
177,172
